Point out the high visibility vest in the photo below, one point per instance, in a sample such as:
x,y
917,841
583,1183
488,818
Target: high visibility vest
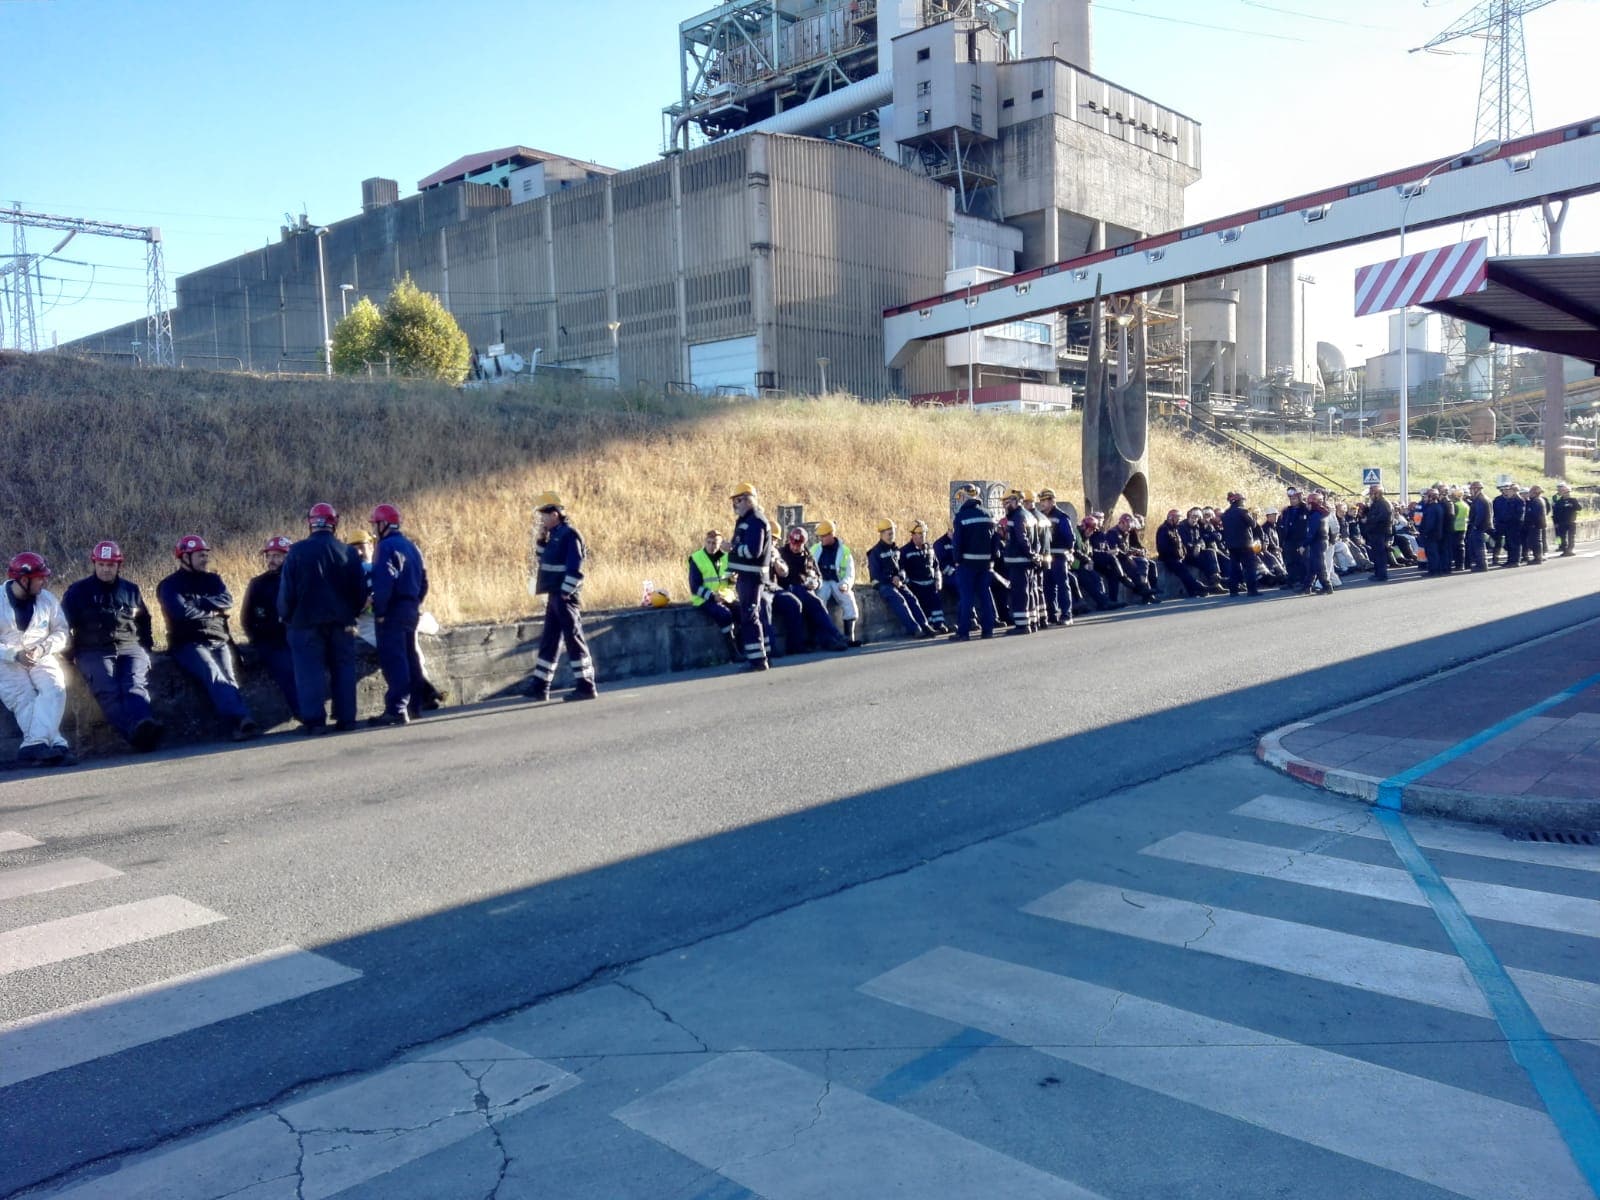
x,y
1462,513
710,576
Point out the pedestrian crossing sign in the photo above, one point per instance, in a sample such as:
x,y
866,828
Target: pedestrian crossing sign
x,y
1371,476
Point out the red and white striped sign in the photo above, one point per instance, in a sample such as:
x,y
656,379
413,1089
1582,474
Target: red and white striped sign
x,y
1457,270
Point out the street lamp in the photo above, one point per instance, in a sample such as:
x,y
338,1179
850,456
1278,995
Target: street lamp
x,y
1361,393
344,299
1408,193
1305,362
322,291
972,355
822,367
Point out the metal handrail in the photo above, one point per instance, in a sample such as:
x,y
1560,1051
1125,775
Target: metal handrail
x,y
1268,450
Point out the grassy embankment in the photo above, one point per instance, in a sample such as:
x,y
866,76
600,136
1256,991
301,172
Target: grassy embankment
x,y
143,457
1342,458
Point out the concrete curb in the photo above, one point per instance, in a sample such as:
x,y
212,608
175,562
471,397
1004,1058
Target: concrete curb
x,y
1562,813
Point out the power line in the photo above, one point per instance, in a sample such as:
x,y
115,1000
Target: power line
x,y
1257,33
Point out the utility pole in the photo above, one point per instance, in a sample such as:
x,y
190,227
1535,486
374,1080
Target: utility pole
x,y
1555,381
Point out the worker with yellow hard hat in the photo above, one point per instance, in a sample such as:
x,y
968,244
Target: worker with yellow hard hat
x,y
924,576
1039,539
1016,558
889,577
558,576
749,561
1060,542
972,539
837,566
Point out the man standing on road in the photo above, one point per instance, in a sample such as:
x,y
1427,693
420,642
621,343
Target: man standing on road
x,y
33,633
111,645
321,593
1564,515
749,560
1063,540
973,537
1318,546
1017,554
196,604
1508,514
1377,527
559,577
1479,522
1239,535
1460,520
399,586
1292,532
1535,510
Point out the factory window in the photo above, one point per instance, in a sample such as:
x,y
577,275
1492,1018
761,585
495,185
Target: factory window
x,y
924,87
977,92
924,117
924,54
1038,94
977,121
1007,102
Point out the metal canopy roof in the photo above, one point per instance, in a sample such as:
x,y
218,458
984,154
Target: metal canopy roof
x,y
1548,302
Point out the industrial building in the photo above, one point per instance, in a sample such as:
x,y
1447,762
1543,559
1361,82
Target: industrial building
x,y
826,160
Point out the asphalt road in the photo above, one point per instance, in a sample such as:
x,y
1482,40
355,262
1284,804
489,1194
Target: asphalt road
x,y
490,857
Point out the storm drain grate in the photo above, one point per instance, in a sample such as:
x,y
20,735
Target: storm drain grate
x,y
1563,837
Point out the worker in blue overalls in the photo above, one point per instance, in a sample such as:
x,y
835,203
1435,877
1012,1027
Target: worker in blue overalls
x,y
748,561
973,538
883,565
558,577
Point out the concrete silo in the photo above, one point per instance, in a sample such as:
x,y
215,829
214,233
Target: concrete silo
x,y
1213,314
1058,29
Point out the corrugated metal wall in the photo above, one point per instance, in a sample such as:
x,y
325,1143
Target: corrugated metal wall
x,y
852,232
664,250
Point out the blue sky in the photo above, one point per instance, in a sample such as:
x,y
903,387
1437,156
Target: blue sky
x,y
213,118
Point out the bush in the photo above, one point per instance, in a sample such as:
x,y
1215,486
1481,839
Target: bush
x,y
358,338
421,337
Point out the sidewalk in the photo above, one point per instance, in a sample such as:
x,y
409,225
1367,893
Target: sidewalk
x,y
1464,743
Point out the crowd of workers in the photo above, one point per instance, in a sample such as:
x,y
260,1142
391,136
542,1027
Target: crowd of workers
x,y
1032,567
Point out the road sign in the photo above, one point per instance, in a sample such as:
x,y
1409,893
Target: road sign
x,y
1371,476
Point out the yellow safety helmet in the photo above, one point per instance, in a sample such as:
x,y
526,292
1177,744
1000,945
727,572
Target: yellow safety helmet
x,y
360,539
1014,494
1046,494
824,529
659,599
1027,496
967,491
774,529
919,527
885,524
742,489
546,502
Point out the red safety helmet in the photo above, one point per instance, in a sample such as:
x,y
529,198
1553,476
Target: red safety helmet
x,y
189,543
322,516
27,565
106,552
385,514
279,543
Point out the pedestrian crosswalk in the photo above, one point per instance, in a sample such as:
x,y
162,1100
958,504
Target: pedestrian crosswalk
x,y
42,1043
769,1123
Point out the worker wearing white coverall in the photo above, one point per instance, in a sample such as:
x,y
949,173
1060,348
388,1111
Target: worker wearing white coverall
x,y
33,633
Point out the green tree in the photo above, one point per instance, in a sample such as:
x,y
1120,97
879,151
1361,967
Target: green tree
x,y
358,338
421,336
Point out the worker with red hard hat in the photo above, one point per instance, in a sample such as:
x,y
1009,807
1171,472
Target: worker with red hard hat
x,y
321,593
33,633
111,644
269,639
196,604
399,586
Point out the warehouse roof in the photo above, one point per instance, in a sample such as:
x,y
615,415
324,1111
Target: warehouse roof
x,y
513,156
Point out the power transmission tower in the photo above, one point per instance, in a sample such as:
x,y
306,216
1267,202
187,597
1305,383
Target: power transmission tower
x,y
1505,111
158,320
24,330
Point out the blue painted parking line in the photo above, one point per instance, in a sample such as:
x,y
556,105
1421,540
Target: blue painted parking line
x,y
924,1069
1391,792
1571,1110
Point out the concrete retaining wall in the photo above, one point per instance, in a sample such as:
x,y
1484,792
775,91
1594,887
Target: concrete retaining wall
x,y
471,663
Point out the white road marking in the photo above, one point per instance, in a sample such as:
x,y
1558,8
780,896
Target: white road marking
x,y
10,839
66,1037
319,1147
92,932
1520,906
50,876
1362,823
787,1134
1472,1144
1568,1007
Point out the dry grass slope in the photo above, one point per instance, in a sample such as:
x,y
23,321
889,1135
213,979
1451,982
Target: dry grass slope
x,y
145,456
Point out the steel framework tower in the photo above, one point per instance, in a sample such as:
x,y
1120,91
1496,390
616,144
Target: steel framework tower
x,y
158,319
1505,99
